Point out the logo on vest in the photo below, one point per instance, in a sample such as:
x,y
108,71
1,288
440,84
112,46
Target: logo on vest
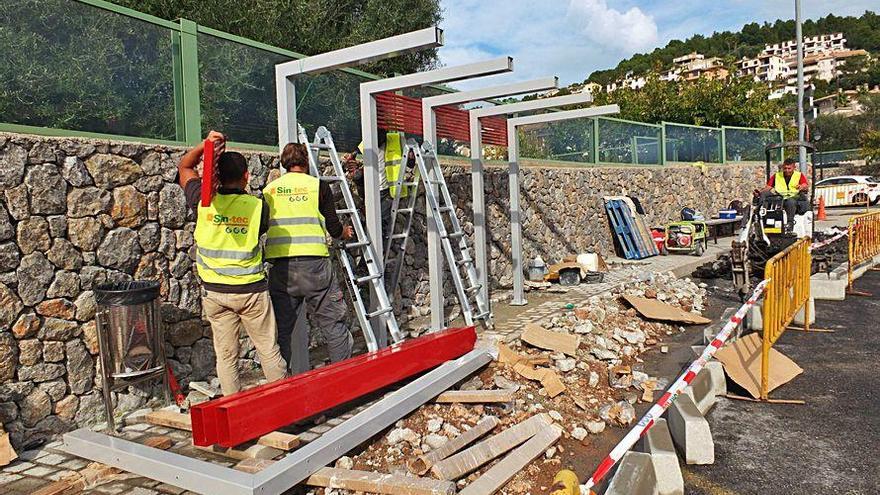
x,y
293,194
232,225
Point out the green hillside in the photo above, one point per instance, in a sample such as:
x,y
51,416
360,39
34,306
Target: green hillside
x,y
861,32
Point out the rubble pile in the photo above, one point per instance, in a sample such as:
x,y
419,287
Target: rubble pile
x,y
599,382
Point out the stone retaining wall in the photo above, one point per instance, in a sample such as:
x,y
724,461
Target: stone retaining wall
x,y
76,213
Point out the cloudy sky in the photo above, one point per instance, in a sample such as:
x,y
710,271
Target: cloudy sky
x,y
571,38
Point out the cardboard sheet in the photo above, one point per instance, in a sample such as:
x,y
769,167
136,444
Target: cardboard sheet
x,y
658,310
524,367
742,363
537,336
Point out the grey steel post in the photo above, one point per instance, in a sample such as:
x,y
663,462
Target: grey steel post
x,y
802,152
513,175
478,205
285,89
368,90
429,133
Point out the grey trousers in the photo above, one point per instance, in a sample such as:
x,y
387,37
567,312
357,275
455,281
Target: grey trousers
x,y
309,280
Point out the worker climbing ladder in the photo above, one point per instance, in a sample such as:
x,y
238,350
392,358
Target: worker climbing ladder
x,y
448,228
362,246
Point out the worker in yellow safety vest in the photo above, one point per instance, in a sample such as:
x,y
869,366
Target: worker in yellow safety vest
x,y
390,152
229,262
792,185
302,212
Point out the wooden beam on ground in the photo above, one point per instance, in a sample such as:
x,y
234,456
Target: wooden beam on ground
x,y
372,482
159,442
421,464
469,460
253,466
554,341
77,482
180,421
253,452
475,396
498,475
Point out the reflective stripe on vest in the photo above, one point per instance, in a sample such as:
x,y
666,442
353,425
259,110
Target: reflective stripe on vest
x,y
227,239
296,226
789,189
393,154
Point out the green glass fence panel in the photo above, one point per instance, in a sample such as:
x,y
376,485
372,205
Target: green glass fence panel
x,y
566,140
747,145
693,144
69,65
829,157
333,100
628,142
237,90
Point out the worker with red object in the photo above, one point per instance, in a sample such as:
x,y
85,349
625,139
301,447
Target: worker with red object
x,y
229,262
302,211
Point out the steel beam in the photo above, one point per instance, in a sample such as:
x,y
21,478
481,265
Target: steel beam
x,y
285,73
372,200
210,479
516,244
264,409
429,121
532,105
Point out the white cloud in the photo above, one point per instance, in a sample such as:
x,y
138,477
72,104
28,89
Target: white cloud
x,y
630,31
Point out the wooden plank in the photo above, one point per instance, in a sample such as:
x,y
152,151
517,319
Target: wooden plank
x,y
554,341
253,466
180,421
159,442
7,453
252,452
421,464
498,475
77,482
475,396
469,460
372,482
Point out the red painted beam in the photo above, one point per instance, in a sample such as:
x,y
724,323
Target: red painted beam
x,y
232,420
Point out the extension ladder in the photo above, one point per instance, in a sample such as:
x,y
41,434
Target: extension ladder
x,y
444,214
361,245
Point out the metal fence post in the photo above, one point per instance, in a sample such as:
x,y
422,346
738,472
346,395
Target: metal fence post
x,y
723,144
187,84
662,143
596,141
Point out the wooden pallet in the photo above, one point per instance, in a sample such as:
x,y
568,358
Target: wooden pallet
x,y
630,230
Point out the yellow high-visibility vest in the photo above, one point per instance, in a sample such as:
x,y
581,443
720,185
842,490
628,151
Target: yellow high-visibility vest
x,y
296,225
787,189
393,154
227,239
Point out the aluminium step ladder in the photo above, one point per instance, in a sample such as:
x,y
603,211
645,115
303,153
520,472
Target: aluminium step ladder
x,y
397,242
362,245
449,231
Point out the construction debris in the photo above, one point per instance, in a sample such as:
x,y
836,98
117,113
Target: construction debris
x,y
475,396
423,463
372,482
7,453
553,341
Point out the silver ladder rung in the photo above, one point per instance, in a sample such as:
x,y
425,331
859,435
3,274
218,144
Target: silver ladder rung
x,y
409,184
346,211
379,312
332,178
482,315
404,210
464,261
369,277
455,235
473,288
319,146
436,182
355,245
444,209
402,235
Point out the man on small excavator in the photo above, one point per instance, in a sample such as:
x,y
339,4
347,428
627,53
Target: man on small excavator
x,y
792,185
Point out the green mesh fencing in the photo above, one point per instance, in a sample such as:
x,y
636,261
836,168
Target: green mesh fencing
x,y
566,140
73,66
628,142
692,144
747,145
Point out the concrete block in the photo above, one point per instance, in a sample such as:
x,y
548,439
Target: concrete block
x,y
826,288
755,318
690,431
712,330
634,476
658,442
707,385
799,316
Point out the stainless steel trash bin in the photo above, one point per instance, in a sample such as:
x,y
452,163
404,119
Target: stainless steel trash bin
x,y
130,337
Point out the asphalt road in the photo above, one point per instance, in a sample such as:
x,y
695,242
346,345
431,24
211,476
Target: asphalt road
x,y
830,444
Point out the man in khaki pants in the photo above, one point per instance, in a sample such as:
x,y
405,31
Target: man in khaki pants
x,y
230,264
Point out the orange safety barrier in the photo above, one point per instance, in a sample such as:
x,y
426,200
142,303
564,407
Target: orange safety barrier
x,y
787,292
864,244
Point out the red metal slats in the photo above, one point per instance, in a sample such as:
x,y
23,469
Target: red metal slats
x,y
247,415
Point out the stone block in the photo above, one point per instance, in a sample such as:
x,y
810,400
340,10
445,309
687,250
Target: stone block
x,y
634,476
826,288
707,385
690,431
799,316
658,442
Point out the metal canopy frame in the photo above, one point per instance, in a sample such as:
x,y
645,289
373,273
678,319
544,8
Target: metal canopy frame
x,y
513,175
368,92
429,133
285,89
210,479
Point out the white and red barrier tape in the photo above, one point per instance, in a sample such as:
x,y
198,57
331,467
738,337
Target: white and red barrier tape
x,y
828,241
672,392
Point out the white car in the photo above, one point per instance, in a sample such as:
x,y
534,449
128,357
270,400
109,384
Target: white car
x,y
848,189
